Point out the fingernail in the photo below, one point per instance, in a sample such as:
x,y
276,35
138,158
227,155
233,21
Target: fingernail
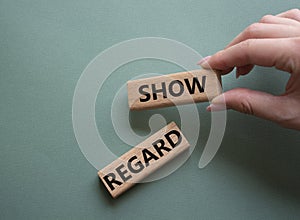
x,y
203,61
215,107
218,100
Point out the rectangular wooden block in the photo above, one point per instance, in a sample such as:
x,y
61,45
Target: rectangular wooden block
x,y
143,159
173,89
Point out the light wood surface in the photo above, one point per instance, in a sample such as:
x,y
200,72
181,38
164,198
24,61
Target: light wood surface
x,y
153,153
179,88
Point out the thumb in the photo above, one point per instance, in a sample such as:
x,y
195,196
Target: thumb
x,y
251,102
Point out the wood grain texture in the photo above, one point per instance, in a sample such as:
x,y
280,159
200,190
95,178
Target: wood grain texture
x,y
170,142
180,88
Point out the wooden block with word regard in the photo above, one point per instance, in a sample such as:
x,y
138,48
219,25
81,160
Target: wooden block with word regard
x,y
143,159
173,89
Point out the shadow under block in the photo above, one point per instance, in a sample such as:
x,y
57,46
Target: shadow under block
x,y
173,89
144,159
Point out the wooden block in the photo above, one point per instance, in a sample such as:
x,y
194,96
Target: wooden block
x,y
143,159
173,89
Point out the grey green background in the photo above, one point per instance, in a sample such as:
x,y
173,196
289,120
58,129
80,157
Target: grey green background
x,y
45,46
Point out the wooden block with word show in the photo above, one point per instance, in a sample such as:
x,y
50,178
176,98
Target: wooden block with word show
x,y
142,160
173,89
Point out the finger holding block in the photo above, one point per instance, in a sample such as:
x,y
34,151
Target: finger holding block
x,y
173,89
144,159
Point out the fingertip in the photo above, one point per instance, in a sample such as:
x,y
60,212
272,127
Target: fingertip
x,y
216,107
219,100
204,62
218,61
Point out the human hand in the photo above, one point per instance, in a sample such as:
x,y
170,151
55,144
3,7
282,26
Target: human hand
x,y
273,41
